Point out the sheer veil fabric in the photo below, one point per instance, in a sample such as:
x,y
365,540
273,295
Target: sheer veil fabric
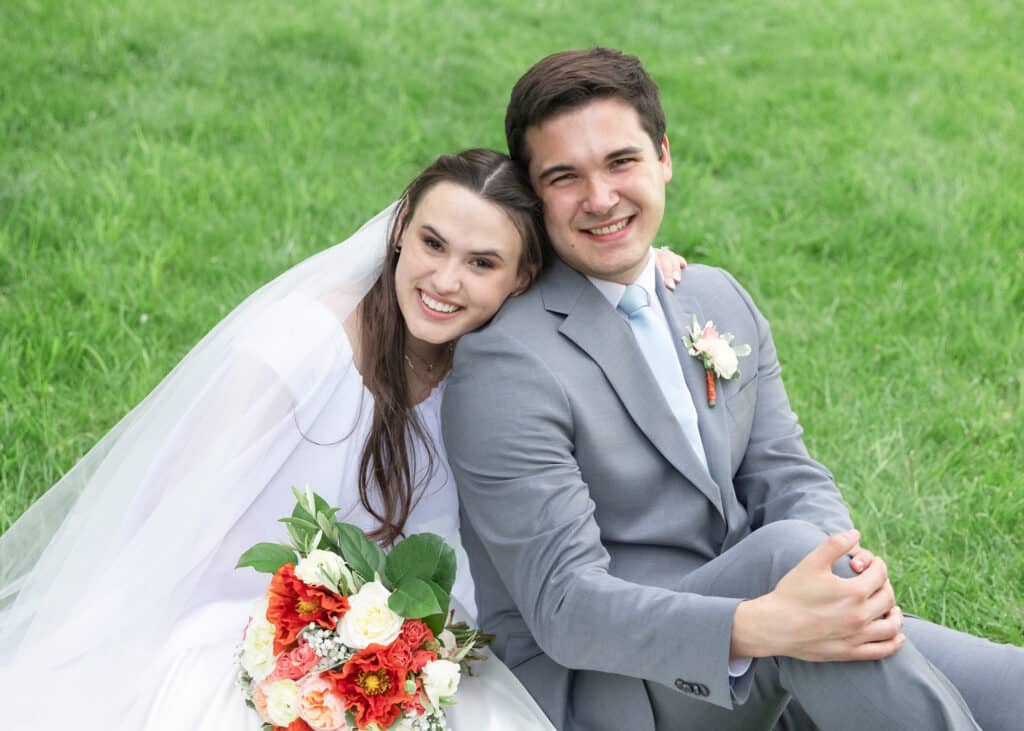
x,y
98,575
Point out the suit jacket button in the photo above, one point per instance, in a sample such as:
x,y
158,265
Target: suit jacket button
x,y
686,687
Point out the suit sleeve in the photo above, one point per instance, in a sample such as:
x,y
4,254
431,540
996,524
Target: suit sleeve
x,y
777,479
508,429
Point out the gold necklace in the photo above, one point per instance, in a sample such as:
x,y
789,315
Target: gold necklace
x,y
429,366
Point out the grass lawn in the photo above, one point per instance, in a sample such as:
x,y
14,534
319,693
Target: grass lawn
x,y
858,165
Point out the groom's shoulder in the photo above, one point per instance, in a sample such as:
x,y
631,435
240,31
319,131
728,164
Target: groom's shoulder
x,y
712,285
519,316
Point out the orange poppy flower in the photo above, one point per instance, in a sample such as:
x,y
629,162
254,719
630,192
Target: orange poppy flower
x,y
293,604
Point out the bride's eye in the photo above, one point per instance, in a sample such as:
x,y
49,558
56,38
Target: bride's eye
x,y
431,243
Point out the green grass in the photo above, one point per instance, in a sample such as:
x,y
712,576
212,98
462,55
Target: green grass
x,y
858,165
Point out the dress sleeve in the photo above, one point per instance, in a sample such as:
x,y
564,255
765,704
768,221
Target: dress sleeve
x,y
292,338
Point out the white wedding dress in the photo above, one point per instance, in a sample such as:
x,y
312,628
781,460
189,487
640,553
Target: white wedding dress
x,y
128,616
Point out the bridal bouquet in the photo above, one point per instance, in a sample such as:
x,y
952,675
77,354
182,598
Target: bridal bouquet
x,y
349,637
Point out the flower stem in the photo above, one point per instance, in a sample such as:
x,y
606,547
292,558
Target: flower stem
x,y
709,374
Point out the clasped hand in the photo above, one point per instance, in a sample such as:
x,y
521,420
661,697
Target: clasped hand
x,y
814,615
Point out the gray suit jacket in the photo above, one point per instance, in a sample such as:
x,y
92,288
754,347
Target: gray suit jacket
x,y
583,504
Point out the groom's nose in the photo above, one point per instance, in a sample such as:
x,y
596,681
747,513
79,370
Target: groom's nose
x,y
601,196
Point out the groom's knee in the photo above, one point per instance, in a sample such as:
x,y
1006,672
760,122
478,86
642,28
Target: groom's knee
x,y
787,542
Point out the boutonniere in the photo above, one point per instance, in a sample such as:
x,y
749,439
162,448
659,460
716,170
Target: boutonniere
x,y
715,351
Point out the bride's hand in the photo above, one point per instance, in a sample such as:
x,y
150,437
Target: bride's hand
x,y
671,266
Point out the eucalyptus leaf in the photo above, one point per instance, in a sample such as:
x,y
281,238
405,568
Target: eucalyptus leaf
x,y
424,556
363,555
267,557
415,598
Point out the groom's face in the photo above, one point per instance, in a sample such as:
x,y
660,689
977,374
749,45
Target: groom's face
x,y
603,187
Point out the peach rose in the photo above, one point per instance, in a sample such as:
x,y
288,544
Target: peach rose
x,y
320,706
259,699
723,358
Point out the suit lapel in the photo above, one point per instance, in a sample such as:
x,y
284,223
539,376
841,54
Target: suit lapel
x,y
593,325
714,429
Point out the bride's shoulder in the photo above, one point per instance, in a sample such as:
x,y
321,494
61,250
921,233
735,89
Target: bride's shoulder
x,y
299,337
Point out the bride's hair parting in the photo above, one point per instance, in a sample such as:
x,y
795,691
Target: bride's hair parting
x,y
387,484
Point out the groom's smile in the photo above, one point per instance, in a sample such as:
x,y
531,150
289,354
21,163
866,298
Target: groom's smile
x,y
602,182
609,231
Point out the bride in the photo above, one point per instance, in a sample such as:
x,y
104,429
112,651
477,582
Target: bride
x,y
119,603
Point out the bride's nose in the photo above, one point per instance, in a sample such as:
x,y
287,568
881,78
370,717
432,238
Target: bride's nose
x,y
447,277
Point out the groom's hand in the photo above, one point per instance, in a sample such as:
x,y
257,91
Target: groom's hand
x,y
860,558
814,615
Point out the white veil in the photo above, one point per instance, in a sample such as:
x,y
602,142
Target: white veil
x,y
95,574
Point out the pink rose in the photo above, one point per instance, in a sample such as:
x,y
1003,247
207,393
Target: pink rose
x,y
710,332
320,706
295,663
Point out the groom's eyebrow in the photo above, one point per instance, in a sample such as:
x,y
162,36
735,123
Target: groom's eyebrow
x,y
554,170
614,154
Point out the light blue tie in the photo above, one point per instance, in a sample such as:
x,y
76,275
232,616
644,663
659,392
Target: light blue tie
x,y
655,341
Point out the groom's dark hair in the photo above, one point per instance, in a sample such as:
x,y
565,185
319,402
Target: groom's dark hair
x,y
570,79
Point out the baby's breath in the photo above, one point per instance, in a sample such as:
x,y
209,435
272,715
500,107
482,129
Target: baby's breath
x,y
327,646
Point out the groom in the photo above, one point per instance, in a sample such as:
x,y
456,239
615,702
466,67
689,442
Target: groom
x,y
648,561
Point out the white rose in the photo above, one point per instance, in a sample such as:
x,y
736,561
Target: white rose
x,y
258,645
403,724
723,358
322,568
282,702
369,620
440,679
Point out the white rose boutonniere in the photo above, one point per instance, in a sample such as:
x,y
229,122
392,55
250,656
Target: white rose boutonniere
x,y
369,620
716,352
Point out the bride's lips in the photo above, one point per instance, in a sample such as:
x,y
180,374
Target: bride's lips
x,y
620,229
431,312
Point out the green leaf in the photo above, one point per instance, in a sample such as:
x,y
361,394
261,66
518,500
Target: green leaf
x,y
332,537
299,529
436,622
424,556
415,598
267,557
364,556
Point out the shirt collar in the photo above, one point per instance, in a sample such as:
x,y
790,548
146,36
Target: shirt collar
x,y
613,291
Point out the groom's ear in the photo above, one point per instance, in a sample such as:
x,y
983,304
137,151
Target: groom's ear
x,y
665,159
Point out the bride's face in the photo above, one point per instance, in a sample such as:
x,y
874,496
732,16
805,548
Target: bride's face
x,y
458,263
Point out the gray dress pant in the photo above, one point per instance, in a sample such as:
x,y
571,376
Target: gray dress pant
x,y
940,679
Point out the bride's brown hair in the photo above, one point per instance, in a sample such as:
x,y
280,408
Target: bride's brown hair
x,y
385,468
